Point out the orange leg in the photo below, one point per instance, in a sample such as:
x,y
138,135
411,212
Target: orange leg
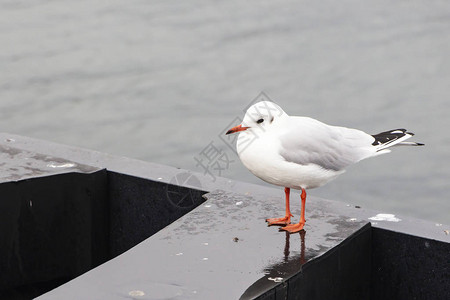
x,y
292,228
286,219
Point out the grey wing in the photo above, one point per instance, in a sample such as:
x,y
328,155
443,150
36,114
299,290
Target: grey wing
x,y
308,141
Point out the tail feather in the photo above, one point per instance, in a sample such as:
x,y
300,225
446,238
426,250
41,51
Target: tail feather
x,y
409,144
391,138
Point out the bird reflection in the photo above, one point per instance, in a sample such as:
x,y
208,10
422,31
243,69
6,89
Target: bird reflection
x,y
276,273
302,259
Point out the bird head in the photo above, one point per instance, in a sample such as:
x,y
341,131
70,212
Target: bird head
x,y
259,117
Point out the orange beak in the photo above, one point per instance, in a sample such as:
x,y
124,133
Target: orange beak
x,y
236,129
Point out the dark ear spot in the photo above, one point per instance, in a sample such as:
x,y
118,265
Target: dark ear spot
x,y
271,120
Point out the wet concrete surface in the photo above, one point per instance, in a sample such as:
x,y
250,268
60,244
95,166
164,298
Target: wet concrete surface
x,y
17,164
223,249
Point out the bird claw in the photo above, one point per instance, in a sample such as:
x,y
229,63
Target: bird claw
x,y
279,221
293,228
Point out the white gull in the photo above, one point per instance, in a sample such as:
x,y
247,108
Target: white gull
x,y
303,153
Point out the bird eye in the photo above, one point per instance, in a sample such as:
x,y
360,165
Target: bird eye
x,y
260,121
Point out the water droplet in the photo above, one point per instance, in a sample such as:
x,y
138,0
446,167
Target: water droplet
x,y
352,219
385,217
205,258
239,203
438,224
276,279
178,254
207,205
159,178
136,293
66,165
205,244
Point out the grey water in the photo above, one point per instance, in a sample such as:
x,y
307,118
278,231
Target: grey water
x,y
161,80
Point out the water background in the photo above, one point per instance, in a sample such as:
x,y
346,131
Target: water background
x,y
160,80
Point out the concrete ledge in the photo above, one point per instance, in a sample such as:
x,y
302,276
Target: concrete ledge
x,y
223,250
73,209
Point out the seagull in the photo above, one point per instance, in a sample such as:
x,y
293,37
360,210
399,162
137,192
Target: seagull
x,y
303,153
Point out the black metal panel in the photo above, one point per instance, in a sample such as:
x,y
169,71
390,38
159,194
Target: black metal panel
x,y
52,229
409,267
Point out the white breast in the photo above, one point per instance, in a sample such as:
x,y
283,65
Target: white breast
x,y
262,157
